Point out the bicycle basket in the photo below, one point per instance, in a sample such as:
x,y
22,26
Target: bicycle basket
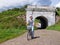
x,y
28,27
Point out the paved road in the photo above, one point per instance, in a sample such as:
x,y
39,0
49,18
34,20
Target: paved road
x,y
46,37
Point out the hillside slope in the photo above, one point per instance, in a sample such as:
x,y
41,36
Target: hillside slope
x,y
9,18
12,23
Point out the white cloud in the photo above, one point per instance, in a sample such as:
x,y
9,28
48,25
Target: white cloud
x,y
5,4
58,5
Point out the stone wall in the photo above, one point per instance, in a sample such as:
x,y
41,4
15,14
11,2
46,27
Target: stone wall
x,y
49,15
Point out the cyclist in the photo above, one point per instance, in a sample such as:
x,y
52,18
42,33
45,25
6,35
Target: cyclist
x,y
31,26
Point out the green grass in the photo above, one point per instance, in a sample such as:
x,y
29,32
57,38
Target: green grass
x,y
58,13
8,19
55,27
37,21
10,25
6,34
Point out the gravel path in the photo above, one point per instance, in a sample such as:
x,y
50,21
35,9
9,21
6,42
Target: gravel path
x,y
47,37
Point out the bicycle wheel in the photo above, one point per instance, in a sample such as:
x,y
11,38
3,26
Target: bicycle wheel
x,y
29,35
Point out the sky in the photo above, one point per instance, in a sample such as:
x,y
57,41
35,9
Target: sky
x,y
9,4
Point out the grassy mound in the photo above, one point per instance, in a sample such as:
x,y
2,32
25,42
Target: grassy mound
x,y
12,23
6,34
55,27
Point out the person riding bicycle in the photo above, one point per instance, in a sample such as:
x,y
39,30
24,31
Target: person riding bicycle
x,y
31,26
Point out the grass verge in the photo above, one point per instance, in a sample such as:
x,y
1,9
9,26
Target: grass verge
x,y
6,34
55,27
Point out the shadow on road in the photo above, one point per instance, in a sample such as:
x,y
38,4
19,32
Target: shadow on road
x,y
36,37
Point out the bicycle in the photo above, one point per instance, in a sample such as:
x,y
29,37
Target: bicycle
x,y
29,33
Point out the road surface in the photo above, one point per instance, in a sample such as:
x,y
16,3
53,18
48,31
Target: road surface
x,y
46,37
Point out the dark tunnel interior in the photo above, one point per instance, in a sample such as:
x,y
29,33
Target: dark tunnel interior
x,y
43,21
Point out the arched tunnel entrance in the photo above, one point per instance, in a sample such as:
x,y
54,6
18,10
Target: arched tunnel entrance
x,y
43,22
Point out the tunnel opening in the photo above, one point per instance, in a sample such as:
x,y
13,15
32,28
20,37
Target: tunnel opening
x,y
43,22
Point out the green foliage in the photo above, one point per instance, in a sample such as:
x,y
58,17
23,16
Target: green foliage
x,y
6,34
55,27
12,23
8,19
37,20
57,11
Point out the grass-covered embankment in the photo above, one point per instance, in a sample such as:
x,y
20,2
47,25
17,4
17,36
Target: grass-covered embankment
x,y
6,34
12,23
55,27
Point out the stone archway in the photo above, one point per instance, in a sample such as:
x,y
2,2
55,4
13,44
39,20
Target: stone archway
x,y
45,13
44,22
